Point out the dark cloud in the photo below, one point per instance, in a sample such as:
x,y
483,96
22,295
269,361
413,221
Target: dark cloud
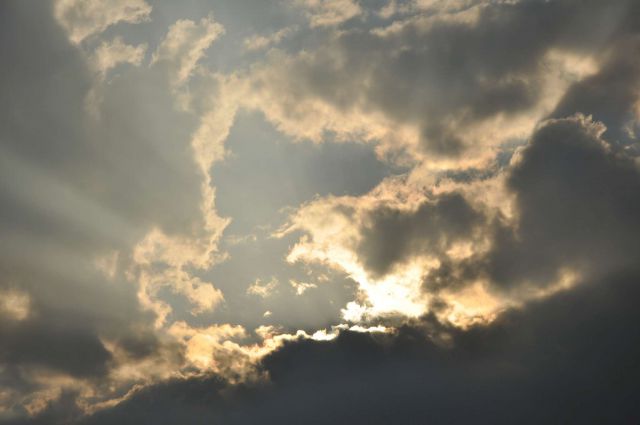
x,y
62,346
63,410
492,376
391,236
576,210
67,318
190,401
610,96
569,359
576,205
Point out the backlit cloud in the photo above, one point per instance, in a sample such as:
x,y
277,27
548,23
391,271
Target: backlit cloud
x,y
319,211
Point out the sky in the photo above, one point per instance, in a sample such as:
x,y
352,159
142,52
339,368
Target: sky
x,y
319,212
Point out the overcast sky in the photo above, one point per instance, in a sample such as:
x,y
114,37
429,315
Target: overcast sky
x,y
319,212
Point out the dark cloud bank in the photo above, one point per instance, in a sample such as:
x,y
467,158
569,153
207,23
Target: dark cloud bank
x,y
572,359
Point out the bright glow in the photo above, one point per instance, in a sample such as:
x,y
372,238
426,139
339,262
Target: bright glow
x,y
14,304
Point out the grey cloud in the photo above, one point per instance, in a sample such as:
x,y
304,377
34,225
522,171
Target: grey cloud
x,y
576,210
392,236
68,317
569,359
448,74
611,94
64,410
74,188
509,372
196,401
575,195
63,346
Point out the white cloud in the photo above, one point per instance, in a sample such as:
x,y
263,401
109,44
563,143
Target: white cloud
x,y
82,18
185,44
301,287
258,42
110,54
263,289
14,304
325,13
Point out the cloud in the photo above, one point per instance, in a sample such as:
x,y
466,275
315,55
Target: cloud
x,y
334,233
389,235
185,44
77,200
301,287
575,204
531,358
14,305
261,289
259,42
499,263
454,248
112,53
457,98
323,13
83,18
610,95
